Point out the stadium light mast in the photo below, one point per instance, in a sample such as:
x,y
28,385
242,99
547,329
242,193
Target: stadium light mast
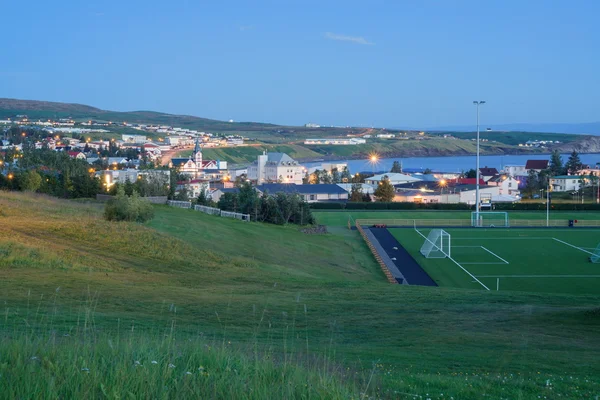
x,y
477,199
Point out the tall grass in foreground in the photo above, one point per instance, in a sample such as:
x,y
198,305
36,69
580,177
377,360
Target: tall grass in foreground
x,y
49,352
152,367
46,352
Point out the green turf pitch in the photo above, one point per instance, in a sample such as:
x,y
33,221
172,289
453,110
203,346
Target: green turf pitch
x,y
340,218
540,260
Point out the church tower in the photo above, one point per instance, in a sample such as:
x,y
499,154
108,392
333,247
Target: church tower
x,y
197,156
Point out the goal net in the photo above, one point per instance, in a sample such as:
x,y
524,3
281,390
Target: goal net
x,y
490,219
437,244
595,257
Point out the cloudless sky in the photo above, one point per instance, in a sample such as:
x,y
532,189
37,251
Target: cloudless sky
x,y
396,63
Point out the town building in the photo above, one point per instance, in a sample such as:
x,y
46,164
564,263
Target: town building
x,y
309,193
195,166
394,178
275,167
336,141
536,165
366,189
515,170
487,173
566,183
194,187
508,185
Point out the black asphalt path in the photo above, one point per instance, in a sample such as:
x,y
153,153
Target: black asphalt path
x,y
405,263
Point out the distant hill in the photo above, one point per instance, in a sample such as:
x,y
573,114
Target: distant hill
x,y
35,105
47,109
589,128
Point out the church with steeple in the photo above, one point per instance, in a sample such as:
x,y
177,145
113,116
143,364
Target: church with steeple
x,y
195,165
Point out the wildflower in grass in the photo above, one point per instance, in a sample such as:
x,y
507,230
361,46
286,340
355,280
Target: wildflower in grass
x,y
188,373
85,370
171,366
201,368
153,362
34,358
137,364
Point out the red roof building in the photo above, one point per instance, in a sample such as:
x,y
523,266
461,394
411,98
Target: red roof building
x,y
536,165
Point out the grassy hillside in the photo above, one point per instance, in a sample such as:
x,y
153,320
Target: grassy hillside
x,y
316,306
247,154
514,138
385,148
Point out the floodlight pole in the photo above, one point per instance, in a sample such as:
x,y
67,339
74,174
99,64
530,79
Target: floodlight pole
x,y
477,200
548,206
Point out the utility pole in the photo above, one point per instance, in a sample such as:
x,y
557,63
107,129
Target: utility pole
x,y
477,199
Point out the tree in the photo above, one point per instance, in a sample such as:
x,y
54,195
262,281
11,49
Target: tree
x,y
128,208
427,171
366,198
346,177
335,176
574,164
556,164
543,178
306,179
471,174
30,181
248,200
228,202
356,193
385,191
203,199
532,182
396,167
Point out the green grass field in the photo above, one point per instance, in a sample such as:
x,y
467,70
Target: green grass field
x,y
260,311
534,260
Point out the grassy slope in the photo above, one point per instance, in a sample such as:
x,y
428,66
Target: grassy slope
x,y
250,284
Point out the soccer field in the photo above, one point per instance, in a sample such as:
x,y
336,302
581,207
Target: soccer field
x,y
531,259
340,218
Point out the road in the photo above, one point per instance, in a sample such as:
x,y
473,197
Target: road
x,y
166,156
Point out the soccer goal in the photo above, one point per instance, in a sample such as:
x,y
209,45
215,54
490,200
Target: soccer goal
x,y
437,244
490,219
595,257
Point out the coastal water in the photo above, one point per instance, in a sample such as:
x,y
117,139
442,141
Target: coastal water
x,y
453,164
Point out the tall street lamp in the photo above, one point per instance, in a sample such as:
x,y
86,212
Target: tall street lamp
x,y
477,103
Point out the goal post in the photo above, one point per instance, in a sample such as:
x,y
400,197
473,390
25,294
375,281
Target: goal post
x,y
595,257
437,244
490,219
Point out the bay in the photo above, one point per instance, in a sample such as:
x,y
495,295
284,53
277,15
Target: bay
x,y
451,164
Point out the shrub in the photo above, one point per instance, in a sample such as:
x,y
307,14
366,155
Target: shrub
x,y
128,208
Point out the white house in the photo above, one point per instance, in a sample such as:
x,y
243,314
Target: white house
x,y
515,170
395,178
275,167
194,187
508,185
566,183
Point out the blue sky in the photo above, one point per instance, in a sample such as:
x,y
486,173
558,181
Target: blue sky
x,y
385,63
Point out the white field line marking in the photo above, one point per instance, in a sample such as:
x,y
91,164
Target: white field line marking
x,y
483,263
575,247
499,238
539,276
460,266
470,247
494,254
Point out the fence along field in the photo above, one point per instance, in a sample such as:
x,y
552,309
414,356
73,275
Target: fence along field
x,y
209,210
